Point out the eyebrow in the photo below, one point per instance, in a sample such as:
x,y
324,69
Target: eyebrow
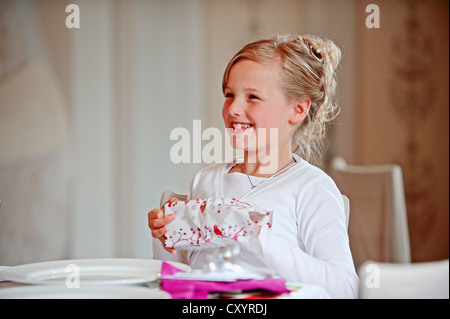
x,y
246,89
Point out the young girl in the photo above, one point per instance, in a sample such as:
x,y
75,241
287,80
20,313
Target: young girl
x,y
286,83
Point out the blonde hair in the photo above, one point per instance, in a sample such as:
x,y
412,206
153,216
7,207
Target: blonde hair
x,y
308,65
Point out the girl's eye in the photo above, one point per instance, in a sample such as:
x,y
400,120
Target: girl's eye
x,y
253,97
229,95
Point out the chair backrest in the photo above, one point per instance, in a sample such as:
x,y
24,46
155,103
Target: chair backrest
x,y
378,228
168,194
347,209
406,281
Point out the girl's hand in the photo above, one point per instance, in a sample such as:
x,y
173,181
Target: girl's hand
x,y
157,223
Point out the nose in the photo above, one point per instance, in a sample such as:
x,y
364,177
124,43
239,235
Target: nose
x,y
235,108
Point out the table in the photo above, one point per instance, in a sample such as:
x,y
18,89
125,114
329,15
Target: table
x,y
303,291
306,292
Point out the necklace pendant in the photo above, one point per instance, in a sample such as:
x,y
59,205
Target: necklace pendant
x,y
271,176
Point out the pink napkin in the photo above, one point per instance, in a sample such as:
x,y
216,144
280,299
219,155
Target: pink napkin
x,y
215,222
197,289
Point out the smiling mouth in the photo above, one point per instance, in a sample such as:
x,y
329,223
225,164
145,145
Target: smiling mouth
x,y
240,127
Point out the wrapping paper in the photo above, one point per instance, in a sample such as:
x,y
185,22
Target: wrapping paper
x,y
197,289
215,222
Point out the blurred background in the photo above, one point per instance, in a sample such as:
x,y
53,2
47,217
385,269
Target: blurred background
x,y
86,113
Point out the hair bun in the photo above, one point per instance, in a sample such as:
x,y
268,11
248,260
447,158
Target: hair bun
x,y
333,54
323,50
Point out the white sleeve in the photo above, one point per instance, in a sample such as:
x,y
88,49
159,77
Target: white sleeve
x,y
325,259
161,254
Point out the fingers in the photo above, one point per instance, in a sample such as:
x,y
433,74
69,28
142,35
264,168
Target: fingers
x,y
170,250
157,222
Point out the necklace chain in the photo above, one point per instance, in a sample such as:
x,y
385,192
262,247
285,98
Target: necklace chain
x,y
271,176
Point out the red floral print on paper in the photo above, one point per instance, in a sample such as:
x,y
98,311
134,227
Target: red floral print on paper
x,y
202,223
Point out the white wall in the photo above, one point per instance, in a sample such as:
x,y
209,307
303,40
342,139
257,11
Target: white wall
x,y
92,192
160,82
337,20
34,132
138,74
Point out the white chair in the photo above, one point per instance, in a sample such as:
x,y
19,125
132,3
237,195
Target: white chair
x,y
347,209
426,280
378,229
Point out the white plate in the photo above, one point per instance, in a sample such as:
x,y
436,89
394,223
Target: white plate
x,y
88,271
88,292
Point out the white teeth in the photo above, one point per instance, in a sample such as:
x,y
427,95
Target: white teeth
x,y
241,126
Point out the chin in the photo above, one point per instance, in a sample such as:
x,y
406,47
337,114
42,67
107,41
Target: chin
x,y
243,142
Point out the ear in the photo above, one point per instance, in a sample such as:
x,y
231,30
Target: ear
x,y
300,110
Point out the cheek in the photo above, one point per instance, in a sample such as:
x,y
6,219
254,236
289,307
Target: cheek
x,y
225,107
273,117
263,119
224,113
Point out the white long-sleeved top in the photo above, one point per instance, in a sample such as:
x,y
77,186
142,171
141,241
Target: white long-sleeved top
x,y
308,241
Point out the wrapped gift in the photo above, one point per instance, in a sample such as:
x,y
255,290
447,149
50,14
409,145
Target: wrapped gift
x,y
214,222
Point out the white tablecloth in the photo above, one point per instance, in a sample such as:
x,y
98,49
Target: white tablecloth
x,y
302,291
